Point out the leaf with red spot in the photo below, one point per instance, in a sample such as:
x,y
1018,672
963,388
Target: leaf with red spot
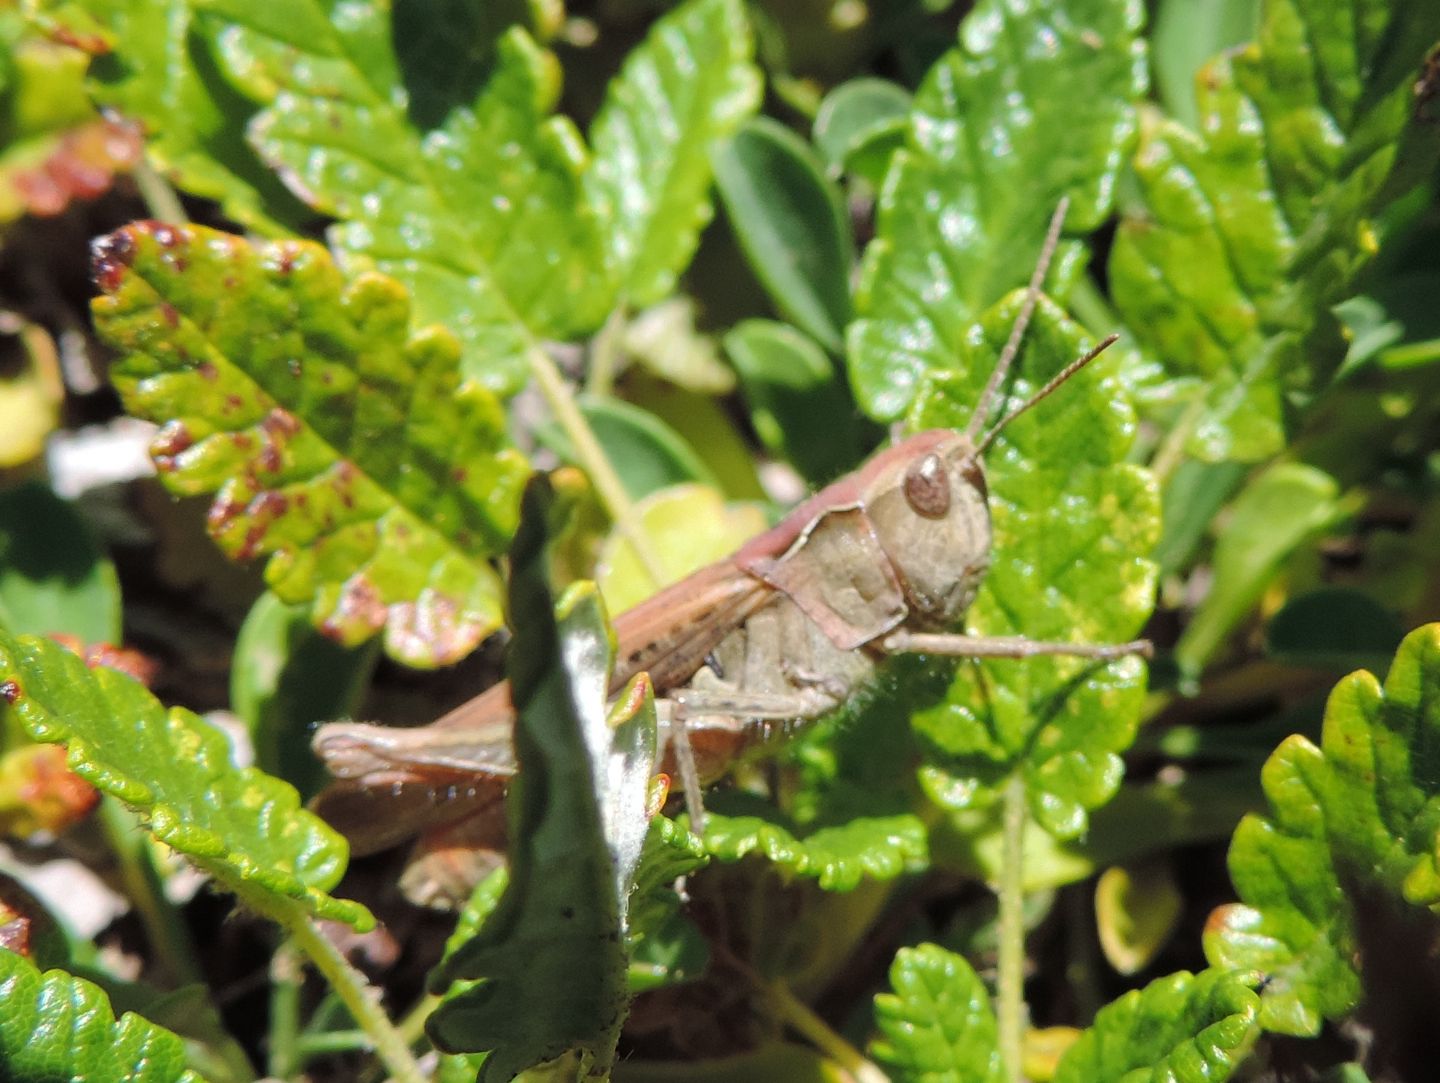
x,y
337,442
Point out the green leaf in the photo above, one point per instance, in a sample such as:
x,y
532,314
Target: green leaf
x,y
550,960
483,219
163,74
686,87
1136,911
1188,33
937,1025
244,827
1179,1029
648,454
665,946
837,856
792,225
1252,227
336,441
798,405
859,126
1333,628
1193,494
284,677
1274,514
1035,103
52,577
57,1028
1331,881
1073,527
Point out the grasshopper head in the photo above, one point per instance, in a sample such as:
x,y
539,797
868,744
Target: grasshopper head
x,y
928,504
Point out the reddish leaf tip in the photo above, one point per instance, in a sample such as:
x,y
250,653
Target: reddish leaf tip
x,y
110,256
10,691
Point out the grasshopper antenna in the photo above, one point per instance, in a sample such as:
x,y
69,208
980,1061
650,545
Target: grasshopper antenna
x,y
1017,332
1054,382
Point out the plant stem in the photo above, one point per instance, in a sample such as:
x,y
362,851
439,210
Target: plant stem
x,y
1010,991
160,199
592,457
604,351
283,1059
352,989
1171,451
164,926
816,1031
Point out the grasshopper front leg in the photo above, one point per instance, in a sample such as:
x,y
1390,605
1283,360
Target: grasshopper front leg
x,y
707,729
957,645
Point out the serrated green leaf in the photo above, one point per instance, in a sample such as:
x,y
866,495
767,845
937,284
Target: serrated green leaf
x,y
1355,820
1252,227
937,1025
337,442
837,856
483,218
1179,1029
244,827
1073,527
798,405
1035,103
57,1028
1276,512
548,966
687,86
52,577
792,224
163,75
665,946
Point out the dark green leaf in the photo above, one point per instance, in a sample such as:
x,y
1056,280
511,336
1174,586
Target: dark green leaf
x,y
937,1025
687,86
1193,494
792,225
336,440
860,124
52,577
243,826
1333,628
1035,103
798,404
285,677
549,962
1180,1029
648,454
57,1028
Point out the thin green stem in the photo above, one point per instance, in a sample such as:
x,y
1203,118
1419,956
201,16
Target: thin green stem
x,y
605,354
1010,981
819,1034
160,199
352,989
164,926
1171,451
284,1057
592,457
333,1041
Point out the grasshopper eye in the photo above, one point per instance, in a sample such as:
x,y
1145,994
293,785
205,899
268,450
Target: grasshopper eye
x,y
927,489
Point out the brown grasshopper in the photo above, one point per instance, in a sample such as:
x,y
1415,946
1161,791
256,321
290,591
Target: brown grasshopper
x,y
784,631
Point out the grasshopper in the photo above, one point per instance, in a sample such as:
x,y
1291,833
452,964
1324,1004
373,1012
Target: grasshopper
x,y
782,632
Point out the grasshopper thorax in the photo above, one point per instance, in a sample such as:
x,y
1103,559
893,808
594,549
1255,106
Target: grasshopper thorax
x,y
927,504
